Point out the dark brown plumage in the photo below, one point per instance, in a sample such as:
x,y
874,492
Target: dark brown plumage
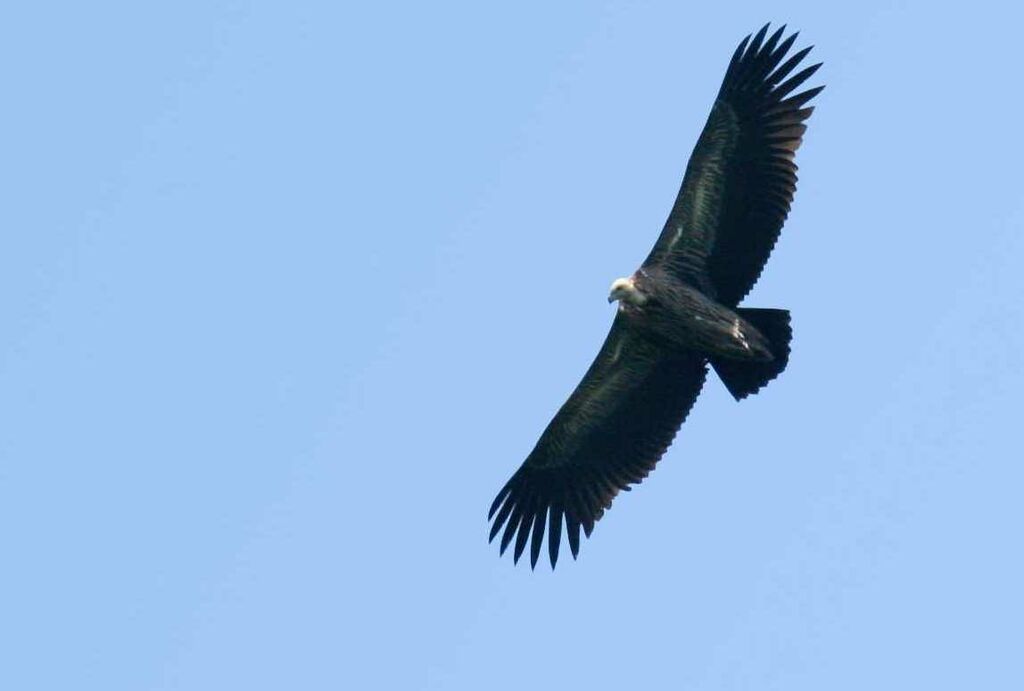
x,y
678,312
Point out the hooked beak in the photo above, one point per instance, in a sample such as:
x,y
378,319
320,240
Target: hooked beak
x,y
619,290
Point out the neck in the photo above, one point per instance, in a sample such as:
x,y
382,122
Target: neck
x,y
634,297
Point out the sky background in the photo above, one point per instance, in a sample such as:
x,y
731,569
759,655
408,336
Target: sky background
x,y
288,290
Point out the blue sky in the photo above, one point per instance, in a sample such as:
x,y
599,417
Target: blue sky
x,y
288,291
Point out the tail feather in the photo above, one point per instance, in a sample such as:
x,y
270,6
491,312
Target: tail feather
x,y
745,377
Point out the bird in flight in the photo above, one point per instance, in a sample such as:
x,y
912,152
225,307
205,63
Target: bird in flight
x,y
678,312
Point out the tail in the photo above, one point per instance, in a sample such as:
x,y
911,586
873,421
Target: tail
x,y
744,377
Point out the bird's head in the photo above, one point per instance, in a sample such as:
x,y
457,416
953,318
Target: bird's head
x,y
625,289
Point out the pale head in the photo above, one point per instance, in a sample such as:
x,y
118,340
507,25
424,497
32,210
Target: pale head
x,y
625,289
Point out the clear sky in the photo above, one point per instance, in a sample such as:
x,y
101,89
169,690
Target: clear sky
x,y
288,290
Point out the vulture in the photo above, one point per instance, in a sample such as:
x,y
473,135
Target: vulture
x,y
678,312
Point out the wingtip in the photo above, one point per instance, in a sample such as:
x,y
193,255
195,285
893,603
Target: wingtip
x,y
510,530
773,40
554,534
523,535
741,48
502,493
755,44
537,538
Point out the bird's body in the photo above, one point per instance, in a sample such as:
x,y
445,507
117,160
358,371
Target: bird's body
x,y
678,312
679,316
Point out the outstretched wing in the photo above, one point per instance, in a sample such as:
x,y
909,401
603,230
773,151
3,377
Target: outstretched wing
x,y
609,435
741,177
